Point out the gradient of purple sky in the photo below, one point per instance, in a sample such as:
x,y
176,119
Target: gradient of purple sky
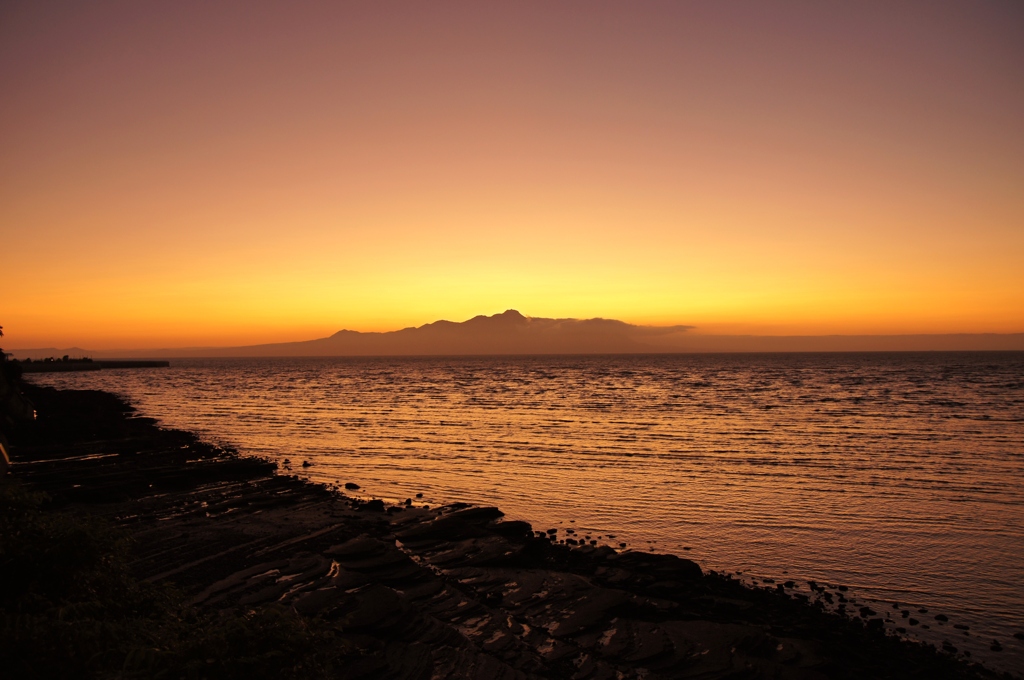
x,y
198,173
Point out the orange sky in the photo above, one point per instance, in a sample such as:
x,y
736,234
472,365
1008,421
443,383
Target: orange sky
x,y
185,174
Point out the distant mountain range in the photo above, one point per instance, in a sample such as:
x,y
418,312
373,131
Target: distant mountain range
x,y
513,333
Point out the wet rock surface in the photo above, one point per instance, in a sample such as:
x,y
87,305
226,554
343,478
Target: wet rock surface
x,y
452,592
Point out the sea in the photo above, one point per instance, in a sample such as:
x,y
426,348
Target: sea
x,y
896,476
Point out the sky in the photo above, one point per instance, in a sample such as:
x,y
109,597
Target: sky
x,y
192,173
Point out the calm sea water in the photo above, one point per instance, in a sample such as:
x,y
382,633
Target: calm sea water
x,y
900,476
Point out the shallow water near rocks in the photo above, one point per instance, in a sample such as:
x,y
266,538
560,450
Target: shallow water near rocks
x,y
897,476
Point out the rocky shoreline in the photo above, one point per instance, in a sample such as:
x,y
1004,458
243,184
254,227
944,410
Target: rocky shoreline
x,y
415,592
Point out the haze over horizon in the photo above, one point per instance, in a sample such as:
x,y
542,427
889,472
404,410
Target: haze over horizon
x,y
513,333
245,173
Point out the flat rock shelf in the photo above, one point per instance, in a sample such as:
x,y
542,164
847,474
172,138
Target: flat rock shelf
x,y
448,592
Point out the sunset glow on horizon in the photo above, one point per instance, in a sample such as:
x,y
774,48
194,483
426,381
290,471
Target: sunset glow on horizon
x,y
187,174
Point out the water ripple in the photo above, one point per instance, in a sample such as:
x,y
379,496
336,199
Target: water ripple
x,y
899,475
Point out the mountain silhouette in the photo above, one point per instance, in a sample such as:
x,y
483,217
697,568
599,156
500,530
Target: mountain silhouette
x,y
513,333
507,333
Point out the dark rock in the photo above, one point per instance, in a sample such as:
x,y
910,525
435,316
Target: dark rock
x,y
449,527
1019,636
995,646
436,615
419,495
941,617
866,612
513,529
408,501
476,515
913,622
351,486
667,567
790,584
961,626
306,463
